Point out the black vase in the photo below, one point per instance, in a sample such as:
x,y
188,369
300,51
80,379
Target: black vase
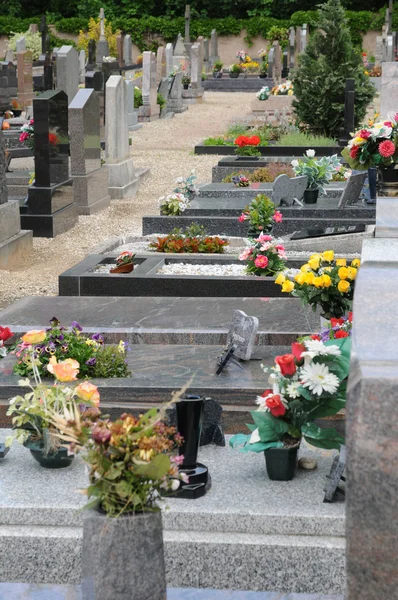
x,y
311,196
189,425
281,463
234,75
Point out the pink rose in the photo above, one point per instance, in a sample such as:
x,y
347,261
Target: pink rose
x,y
265,247
277,217
24,136
280,248
264,238
261,261
242,218
245,254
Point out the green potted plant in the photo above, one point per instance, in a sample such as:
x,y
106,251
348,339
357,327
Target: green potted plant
x,y
33,415
308,384
131,461
185,80
217,69
318,173
235,70
261,214
324,282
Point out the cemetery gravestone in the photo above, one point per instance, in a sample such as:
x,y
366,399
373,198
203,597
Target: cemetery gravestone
x,y
150,110
287,190
169,59
128,50
90,179
67,63
389,88
271,63
119,50
349,112
298,41
92,50
304,37
102,44
25,78
292,48
214,57
277,62
82,66
196,90
160,64
21,44
352,189
175,102
243,333
163,89
50,209
123,182
180,57
48,74
132,112
9,56
44,39
15,245
187,23
206,54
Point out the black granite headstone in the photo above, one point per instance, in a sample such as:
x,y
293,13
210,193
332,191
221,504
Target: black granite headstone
x,y
349,112
48,74
92,51
324,232
49,209
43,28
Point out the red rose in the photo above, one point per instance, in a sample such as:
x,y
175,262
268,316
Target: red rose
x,y
297,350
335,322
316,337
286,364
275,405
350,317
340,334
364,134
266,393
354,151
5,334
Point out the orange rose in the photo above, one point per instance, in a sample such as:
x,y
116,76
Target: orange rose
x,y
88,392
34,337
65,370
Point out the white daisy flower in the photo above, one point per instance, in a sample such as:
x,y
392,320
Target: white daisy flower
x,y
255,437
318,379
318,348
292,388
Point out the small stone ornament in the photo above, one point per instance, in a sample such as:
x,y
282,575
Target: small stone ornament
x,y
309,464
333,489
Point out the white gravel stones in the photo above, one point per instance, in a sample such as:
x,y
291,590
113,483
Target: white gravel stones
x,y
207,270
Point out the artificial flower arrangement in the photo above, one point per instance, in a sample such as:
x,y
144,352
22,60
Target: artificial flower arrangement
x,y
283,89
318,172
5,334
341,173
323,282
27,134
242,55
235,68
250,65
59,351
124,262
261,214
185,80
192,240
173,204
240,180
187,185
308,384
374,146
264,93
266,256
262,53
263,174
217,67
247,146
132,460
335,329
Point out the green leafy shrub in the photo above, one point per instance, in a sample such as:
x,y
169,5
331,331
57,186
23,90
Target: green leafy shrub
x,y
111,362
161,101
319,81
137,97
306,140
219,141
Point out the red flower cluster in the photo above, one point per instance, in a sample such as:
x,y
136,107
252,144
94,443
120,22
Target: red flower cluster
x,y
243,141
5,334
274,403
53,139
354,151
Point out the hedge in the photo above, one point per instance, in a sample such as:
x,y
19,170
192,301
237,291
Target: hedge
x,y
141,29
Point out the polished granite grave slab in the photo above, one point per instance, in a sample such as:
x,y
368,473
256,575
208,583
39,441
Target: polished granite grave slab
x,y
86,278
160,320
247,532
26,591
228,190
230,226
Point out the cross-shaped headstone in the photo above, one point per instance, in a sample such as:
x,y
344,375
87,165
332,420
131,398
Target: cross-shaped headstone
x,y
102,24
187,23
43,30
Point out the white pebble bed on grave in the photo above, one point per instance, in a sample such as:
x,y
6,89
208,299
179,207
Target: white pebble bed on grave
x,y
207,270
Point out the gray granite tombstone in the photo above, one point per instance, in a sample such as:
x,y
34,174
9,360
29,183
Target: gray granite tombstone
x,y
304,37
21,44
206,54
15,245
175,101
169,58
163,89
25,78
349,112
371,429
9,56
187,23
277,60
50,209
90,179
389,88
82,66
102,44
128,50
352,189
150,110
242,334
292,48
287,190
67,63
214,56
132,112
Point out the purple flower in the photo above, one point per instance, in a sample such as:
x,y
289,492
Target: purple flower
x,y
75,325
61,338
64,348
54,322
91,362
97,337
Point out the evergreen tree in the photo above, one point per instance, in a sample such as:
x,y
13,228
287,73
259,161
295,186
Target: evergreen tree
x,y
319,81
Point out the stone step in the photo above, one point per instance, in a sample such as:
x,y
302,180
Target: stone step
x,y
229,226
244,522
228,190
160,320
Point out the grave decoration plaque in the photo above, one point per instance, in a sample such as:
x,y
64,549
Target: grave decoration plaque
x,y
334,490
3,450
189,424
226,356
242,334
324,232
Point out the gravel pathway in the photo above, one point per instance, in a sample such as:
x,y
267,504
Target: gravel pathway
x,y
166,147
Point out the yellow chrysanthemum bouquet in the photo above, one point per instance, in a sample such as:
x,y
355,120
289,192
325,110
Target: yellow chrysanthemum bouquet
x,y
325,282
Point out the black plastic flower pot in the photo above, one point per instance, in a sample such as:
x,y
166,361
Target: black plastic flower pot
x,y
281,463
311,196
234,75
52,460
